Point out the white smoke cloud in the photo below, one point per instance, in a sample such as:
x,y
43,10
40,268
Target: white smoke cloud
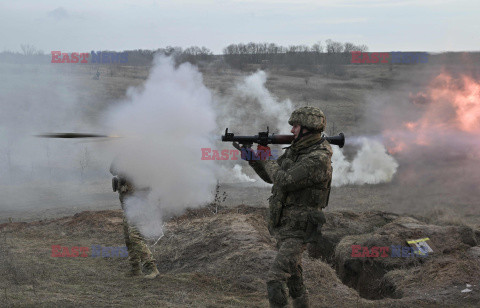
x,y
238,174
234,175
35,99
253,89
167,123
250,108
164,127
371,165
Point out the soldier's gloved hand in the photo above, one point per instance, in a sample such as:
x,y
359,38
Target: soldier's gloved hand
x,y
237,146
263,152
246,151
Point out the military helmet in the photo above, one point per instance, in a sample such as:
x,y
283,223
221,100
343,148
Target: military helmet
x,y
312,118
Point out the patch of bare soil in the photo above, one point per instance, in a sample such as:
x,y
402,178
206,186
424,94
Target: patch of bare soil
x,y
219,257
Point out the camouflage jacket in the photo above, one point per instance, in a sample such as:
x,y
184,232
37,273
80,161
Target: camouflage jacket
x,y
301,179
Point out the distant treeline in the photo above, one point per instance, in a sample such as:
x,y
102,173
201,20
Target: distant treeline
x,y
329,57
295,56
141,57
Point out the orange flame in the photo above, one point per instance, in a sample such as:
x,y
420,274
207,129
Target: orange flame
x,y
465,98
411,125
452,105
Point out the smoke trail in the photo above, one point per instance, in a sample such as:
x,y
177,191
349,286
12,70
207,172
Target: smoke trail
x,y
248,109
234,175
271,110
251,107
165,125
371,165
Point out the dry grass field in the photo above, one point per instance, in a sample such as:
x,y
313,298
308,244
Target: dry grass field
x,y
219,260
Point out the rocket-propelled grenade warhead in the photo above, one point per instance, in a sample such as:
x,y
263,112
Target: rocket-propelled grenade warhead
x,y
74,135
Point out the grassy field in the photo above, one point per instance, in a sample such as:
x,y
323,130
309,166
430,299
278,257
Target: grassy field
x,y
220,260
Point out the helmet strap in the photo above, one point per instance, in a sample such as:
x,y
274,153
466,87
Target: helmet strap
x,y
301,134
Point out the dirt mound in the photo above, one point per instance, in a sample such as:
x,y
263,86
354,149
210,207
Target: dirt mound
x,y
235,245
93,220
402,273
343,223
103,220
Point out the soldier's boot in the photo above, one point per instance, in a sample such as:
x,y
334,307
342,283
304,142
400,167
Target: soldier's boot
x,y
301,302
152,271
277,294
136,270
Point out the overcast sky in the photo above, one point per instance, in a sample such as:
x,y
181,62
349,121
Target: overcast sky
x,y
85,25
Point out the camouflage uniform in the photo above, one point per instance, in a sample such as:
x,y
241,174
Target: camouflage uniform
x,y
301,180
138,253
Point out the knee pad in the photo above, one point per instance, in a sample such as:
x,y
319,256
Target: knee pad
x,y
277,295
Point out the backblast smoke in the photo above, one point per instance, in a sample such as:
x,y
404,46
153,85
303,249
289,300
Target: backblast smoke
x,y
164,124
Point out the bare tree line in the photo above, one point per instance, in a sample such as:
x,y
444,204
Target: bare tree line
x,y
193,54
328,57
294,56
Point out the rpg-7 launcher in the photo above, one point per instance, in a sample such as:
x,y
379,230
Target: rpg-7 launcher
x,y
263,138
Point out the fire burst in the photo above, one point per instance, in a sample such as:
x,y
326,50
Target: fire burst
x,y
452,109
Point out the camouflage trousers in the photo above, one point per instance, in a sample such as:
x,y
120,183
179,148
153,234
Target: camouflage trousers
x,y
286,273
138,252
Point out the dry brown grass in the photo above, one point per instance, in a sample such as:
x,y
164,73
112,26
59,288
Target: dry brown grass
x,y
206,259
202,264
